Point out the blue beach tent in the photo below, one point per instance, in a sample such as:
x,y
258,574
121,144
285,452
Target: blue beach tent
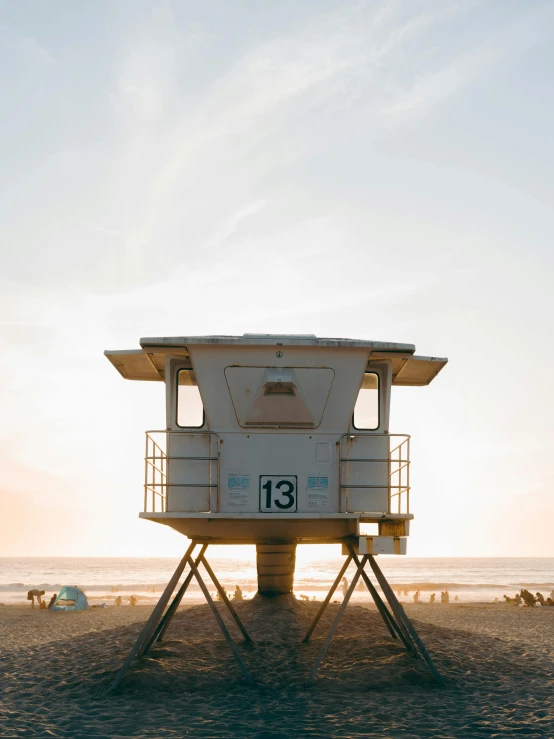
x,y
70,599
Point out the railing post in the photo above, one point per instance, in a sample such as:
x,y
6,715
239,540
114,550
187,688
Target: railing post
x,y
390,476
146,475
164,468
408,477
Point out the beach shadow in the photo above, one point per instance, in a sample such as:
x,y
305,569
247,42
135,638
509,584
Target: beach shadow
x,y
192,680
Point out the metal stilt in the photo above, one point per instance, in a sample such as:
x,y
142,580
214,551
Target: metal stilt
x,y
402,617
172,610
224,597
393,627
325,603
156,625
152,622
220,622
335,623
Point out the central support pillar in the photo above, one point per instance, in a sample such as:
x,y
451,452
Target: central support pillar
x,y
275,564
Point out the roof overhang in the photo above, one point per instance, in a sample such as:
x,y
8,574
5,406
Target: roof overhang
x,y
148,363
416,371
136,364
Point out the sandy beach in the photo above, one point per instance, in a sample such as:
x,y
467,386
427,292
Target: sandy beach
x,y
497,660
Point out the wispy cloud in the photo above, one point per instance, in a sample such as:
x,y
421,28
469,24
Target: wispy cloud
x,y
431,88
187,168
24,44
232,224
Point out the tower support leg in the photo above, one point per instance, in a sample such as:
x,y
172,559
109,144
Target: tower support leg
x,y
172,610
325,603
152,622
402,617
275,564
395,628
158,623
224,598
221,623
397,622
335,623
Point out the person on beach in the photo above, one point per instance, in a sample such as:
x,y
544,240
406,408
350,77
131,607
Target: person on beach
x,y
133,600
528,598
36,593
432,598
237,595
416,596
52,601
344,582
117,601
445,597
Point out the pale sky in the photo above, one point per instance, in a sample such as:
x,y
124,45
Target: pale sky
x,y
377,170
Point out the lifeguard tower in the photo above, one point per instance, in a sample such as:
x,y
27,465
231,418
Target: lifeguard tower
x,y
277,440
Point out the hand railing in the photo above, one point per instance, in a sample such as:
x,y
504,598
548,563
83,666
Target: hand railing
x,y
398,478
155,473
156,465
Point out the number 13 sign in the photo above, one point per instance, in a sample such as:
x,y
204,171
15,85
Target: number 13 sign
x,y
278,493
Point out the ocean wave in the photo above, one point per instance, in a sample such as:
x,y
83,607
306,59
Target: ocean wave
x,y
24,587
467,585
300,583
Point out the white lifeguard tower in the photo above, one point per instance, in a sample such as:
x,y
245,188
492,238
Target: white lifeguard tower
x,y
276,440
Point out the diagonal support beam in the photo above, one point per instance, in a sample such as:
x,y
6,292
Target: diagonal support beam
x,y
220,622
325,603
172,610
402,617
154,619
224,597
393,627
335,623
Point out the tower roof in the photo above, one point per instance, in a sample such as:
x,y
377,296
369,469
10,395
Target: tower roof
x,y
148,362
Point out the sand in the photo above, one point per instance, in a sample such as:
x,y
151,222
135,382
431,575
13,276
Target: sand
x,y
497,660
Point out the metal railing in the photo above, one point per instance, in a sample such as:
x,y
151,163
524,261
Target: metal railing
x,y
157,461
398,466
156,469
401,467
155,473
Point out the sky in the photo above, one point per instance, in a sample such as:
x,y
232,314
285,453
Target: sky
x,y
377,170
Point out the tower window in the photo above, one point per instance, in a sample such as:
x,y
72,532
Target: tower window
x,y
190,409
366,410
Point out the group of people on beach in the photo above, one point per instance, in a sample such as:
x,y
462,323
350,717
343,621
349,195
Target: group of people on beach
x,y
37,595
525,598
445,596
133,600
237,595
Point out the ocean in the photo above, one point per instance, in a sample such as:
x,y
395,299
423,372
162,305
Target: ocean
x,y
471,579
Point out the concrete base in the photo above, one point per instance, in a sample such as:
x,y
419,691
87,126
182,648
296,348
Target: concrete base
x,y
275,564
